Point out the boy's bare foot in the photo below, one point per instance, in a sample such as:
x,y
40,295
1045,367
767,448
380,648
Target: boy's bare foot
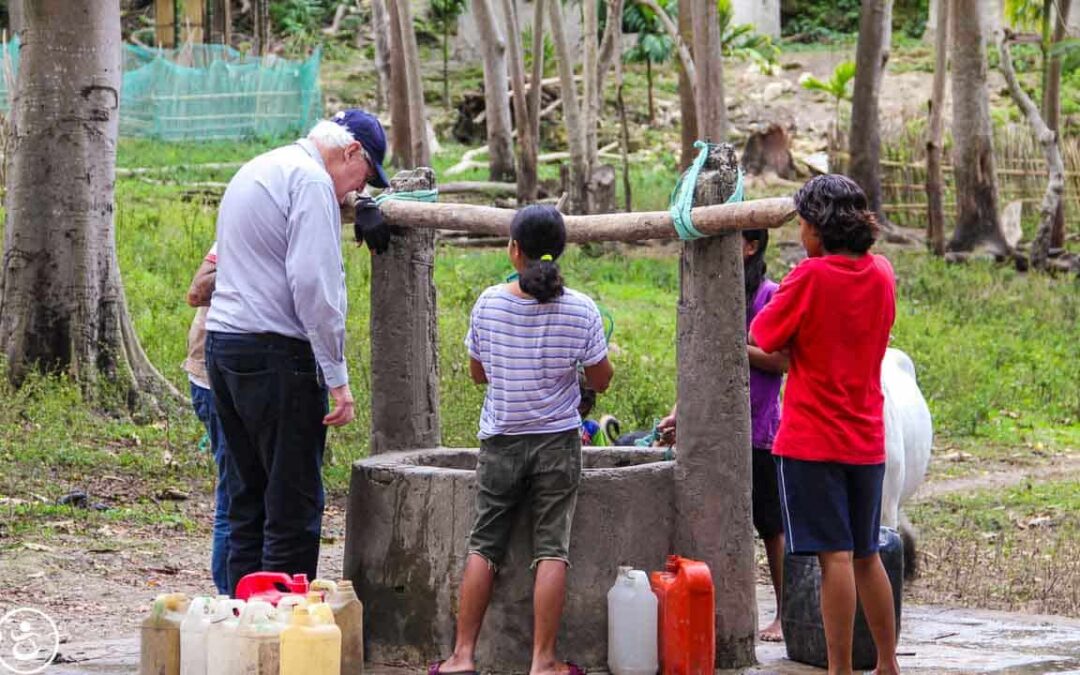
x,y
888,669
556,668
454,664
773,632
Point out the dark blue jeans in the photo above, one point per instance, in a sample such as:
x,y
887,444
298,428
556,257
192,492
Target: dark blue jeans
x,y
271,402
203,402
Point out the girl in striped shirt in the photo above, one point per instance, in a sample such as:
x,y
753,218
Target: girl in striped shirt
x,y
526,340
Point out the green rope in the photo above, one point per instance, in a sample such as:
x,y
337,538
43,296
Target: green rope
x,y
411,196
204,443
609,322
682,197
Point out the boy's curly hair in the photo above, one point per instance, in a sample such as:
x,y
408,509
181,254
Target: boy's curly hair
x,y
837,207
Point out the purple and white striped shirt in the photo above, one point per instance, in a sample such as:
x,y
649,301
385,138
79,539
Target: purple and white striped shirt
x,y
530,352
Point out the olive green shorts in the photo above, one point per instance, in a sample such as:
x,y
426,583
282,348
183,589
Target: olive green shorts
x,y
540,472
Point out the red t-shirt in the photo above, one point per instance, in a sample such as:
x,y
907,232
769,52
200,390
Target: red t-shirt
x,y
834,313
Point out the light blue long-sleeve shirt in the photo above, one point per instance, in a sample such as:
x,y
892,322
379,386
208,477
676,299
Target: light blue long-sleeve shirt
x,y
279,255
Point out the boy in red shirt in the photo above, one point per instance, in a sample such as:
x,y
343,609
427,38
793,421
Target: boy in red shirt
x,y
833,313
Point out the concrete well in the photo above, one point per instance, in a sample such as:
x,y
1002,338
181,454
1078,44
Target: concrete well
x,y
408,520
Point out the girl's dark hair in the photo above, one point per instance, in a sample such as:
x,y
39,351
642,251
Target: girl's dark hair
x,y
540,232
837,207
754,267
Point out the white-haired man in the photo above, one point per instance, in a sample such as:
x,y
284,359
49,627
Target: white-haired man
x,y
276,335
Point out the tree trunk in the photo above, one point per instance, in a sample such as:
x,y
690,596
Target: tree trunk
x,y
400,132
577,202
526,177
15,16
62,305
226,22
496,93
589,79
649,85
380,32
260,26
711,108
446,64
624,137
687,102
864,142
1040,248
414,86
935,183
610,45
217,20
977,219
1052,107
537,74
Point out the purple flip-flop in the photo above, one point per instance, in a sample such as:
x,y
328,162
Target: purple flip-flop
x,y
435,669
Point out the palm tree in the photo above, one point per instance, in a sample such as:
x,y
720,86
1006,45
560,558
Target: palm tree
x,y
653,44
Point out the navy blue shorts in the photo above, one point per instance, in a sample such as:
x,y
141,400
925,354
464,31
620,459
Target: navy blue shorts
x,y
828,506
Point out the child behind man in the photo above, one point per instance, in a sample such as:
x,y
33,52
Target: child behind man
x,y
526,340
833,313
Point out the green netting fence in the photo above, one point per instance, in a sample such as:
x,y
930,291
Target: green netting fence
x,y
201,92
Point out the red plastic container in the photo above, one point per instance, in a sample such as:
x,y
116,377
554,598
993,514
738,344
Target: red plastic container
x,y
687,621
270,586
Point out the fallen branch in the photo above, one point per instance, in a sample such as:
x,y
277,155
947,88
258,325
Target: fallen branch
x,y
468,161
493,222
1055,187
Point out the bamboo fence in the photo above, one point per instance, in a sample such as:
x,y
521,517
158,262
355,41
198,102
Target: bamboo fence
x,y
1020,167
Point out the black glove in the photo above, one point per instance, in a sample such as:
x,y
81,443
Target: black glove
x,y
370,227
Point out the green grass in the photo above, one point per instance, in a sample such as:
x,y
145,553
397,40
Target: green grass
x,y
1008,549
994,349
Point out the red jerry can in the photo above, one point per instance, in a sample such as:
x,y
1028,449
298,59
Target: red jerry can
x,y
270,586
687,621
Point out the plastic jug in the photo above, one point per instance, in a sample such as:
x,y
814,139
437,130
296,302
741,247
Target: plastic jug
x,y
632,627
804,633
349,617
687,617
270,586
159,644
221,631
311,643
193,634
247,646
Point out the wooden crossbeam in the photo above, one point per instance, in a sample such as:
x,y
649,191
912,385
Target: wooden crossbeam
x,y
490,221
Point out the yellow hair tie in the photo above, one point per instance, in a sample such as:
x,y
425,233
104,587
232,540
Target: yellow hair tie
x,y
546,257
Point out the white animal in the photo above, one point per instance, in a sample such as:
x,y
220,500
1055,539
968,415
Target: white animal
x,y
909,436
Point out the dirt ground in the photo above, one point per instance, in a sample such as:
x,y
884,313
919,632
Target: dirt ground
x,y
99,584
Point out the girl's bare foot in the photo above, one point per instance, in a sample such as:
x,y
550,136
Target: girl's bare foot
x,y
772,633
452,665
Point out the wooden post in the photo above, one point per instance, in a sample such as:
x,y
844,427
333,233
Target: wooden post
x,y
404,335
713,461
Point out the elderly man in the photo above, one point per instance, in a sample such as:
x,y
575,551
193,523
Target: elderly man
x,y
276,335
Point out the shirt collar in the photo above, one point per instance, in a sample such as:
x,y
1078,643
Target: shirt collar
x,y
310,148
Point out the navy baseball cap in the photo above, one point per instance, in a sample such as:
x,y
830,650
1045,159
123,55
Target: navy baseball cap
x,y
366,129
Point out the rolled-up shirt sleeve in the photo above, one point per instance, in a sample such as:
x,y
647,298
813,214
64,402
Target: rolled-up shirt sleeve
x,y
316,275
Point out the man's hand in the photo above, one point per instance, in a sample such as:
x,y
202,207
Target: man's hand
x,y
369,226
344,407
